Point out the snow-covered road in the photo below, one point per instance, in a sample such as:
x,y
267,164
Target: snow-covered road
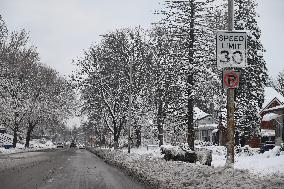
x,y
59,169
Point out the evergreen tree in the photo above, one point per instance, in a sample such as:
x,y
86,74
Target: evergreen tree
x,y
280,83
271,82
187,24
250,94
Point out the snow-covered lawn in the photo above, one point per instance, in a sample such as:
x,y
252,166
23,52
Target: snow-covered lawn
x,y
34,146
150,167
261,164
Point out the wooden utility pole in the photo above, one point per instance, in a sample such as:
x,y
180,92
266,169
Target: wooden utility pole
x,y
230,101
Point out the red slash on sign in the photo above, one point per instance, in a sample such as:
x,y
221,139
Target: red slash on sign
x,y
231,79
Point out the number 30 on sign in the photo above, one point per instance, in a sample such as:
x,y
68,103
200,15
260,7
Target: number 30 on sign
x,y
231,47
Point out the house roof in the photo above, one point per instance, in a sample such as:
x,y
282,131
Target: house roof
x,y
198,114
281,107
270,94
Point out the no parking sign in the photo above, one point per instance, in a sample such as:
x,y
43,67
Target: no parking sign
x,y
231,79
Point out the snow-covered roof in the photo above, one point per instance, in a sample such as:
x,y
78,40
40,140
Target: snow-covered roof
x,y
215,130
274,108
198,114
267,132
269,116
269,94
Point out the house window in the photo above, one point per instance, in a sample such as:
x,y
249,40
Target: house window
x,y
196,135
205,135
265,139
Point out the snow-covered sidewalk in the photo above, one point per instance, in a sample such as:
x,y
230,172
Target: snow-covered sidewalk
x,y
150,168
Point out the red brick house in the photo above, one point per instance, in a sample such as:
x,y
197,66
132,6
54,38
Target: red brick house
x,y
272,121
272,114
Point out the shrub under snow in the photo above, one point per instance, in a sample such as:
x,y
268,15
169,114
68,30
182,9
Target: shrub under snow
x,y
183,153
176,153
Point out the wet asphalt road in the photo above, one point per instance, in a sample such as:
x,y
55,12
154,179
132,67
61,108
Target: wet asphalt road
x,y
61,169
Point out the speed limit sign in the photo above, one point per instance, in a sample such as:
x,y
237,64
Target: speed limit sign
x,y
231,49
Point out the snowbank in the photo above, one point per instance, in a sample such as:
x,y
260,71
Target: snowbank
x,y
34,146
158,173
269,163
264,164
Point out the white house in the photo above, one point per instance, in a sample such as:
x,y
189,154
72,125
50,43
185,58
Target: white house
x,y
204,126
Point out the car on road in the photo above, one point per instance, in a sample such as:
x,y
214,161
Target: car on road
x,y
73,145
81,146
59,145
267,146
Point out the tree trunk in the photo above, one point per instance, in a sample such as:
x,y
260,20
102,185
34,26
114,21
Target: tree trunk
x,y
28,137
190,128
138,136
117,130
115,142
101,139
29,131
190,79
160,122
15,137
115,135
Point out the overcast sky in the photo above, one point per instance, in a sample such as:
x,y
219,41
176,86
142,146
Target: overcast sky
x,y
61,29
